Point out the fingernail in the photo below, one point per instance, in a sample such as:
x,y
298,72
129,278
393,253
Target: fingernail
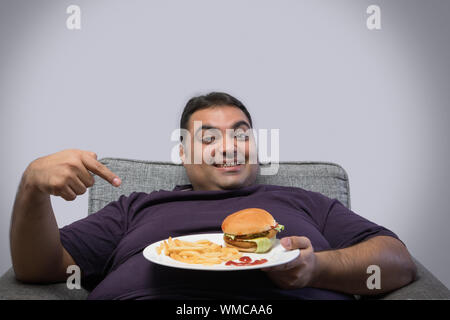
x,y
286,242
116,181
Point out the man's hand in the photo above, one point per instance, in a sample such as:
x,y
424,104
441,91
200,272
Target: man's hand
x,y
345,269
66,173
299,272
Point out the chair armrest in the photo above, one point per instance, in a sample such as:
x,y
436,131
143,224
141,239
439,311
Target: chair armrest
x,y
12,289
425,287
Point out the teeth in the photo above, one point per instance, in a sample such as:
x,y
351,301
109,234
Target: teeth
x,y
227,165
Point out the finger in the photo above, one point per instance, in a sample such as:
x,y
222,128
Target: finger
x,y
77,186
290,243
92,154
101,170
86,178
68,194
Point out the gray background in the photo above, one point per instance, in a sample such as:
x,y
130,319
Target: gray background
x,y
376,102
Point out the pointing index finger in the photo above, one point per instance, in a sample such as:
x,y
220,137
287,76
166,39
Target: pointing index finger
x,y
101,170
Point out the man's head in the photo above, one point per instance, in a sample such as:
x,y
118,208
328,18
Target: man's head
x,y
219,127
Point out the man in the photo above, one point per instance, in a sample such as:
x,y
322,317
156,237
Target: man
x,y
336,245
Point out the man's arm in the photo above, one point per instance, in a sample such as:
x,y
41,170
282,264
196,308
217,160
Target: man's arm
x,y
36,250
345,270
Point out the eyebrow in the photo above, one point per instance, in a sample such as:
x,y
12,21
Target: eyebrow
x,y
236,125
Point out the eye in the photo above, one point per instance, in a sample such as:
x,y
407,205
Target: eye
x,y
241,136
208,139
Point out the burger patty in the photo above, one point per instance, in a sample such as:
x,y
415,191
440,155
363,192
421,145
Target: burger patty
x,y
240,244
238,240
269,234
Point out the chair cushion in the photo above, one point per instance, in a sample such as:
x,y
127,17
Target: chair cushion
x,y
146,176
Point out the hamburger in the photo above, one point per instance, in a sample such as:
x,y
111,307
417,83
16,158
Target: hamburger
x,y
250,230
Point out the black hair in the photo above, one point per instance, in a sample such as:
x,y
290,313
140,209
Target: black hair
x,y
213,99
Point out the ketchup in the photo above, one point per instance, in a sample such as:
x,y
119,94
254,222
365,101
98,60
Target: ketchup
x,y
245,261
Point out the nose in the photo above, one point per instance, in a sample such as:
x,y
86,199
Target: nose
x,y
225,150
229,147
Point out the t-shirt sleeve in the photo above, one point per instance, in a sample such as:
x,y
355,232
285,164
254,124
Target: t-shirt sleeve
x,y
92,240
343,228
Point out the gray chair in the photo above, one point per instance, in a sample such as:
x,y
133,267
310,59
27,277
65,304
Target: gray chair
x,y
146,176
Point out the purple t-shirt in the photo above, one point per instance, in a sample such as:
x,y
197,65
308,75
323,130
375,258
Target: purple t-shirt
x,y
108,245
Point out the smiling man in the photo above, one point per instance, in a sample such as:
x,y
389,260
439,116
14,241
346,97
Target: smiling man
x,y
337,246
227,149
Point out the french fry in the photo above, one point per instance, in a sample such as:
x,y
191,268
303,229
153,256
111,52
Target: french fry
x,y
189,253
202,252
202,241
184,248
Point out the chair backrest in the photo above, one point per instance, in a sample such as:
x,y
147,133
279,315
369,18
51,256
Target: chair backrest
x,y
146,176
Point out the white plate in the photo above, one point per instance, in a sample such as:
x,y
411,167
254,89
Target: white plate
x,y
276,256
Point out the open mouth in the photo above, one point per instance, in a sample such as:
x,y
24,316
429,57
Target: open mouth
x,y
229,165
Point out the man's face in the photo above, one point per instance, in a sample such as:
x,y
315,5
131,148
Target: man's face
x,y
224,136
